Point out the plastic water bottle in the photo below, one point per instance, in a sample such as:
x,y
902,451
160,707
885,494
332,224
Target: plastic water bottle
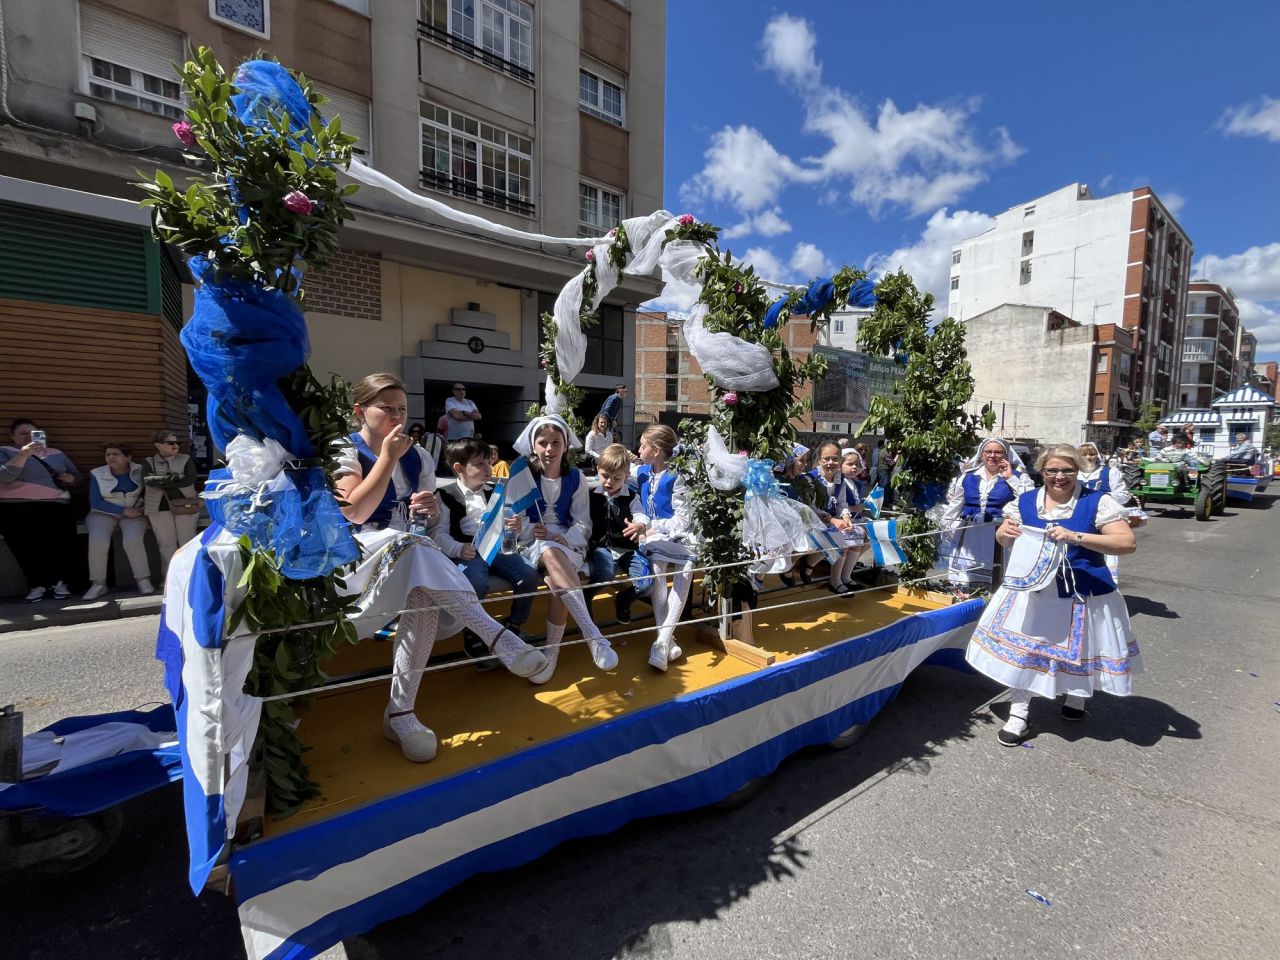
x,y
510,538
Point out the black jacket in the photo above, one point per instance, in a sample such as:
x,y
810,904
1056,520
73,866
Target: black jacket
x,y
456,510
608,516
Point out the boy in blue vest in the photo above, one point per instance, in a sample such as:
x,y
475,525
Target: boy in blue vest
x,y
612,551
463,506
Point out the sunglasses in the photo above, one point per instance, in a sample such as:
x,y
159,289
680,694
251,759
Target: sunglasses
x,y
172,442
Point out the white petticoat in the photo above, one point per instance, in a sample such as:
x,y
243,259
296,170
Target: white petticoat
x,y
1054,645
391,564
533,551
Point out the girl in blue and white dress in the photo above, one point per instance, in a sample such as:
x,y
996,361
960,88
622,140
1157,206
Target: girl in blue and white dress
x,y
555,532
841,509
1058,625
387,482
1098,477
662,522
975,501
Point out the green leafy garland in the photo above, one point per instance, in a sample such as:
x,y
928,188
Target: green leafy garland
x,y
925,420
271,207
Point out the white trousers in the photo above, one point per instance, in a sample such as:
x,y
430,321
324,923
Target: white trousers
x,y
172,531
132,530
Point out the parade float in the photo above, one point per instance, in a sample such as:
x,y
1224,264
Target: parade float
x,y
1245,410
294,802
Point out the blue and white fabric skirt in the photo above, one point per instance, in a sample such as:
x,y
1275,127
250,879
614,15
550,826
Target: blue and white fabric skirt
x,y
392,563
673,553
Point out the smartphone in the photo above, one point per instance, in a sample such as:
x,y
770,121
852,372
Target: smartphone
x,y
37,436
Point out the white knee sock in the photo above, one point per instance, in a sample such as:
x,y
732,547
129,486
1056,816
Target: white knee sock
x,y
658,593
675,601
1019,708
415,636
577,605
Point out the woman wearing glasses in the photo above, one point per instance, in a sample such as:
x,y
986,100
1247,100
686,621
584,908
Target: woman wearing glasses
x,y
992,479
1067,632
169,499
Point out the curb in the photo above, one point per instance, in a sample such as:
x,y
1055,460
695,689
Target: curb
x,y
18,617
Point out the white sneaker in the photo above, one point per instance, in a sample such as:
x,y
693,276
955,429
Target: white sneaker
x,y
96,591
36,594
663,653
517,656
605,657
145,588
61,591
417,743
552,653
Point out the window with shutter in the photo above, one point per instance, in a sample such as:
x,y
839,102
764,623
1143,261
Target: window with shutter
x,y
130,62
355,114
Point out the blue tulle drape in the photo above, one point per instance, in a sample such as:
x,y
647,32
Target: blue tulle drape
x,y
242,339
818,295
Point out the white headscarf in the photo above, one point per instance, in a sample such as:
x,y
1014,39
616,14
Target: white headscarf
x,y
524,443
1015,461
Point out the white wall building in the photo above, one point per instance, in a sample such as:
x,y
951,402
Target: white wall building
x,y
842,330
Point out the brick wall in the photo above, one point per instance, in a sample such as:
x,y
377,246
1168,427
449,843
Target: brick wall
x,y
350,286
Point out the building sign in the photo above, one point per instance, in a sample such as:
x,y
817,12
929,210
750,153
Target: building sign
x,y
844,394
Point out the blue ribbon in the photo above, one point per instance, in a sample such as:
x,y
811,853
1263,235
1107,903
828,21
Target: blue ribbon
x,y
774,313
759,480
819,294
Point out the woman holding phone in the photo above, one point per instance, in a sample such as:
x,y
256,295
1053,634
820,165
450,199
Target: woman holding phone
x,y
35,509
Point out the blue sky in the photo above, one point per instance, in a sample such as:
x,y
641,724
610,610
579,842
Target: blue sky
x,y
823,132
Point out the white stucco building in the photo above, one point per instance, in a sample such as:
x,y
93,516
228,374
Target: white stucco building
x,y
1121,259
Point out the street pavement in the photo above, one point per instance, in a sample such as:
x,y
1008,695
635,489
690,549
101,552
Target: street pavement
x,y
1153,828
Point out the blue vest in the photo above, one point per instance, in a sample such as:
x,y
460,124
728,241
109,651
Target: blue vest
x,y
1001,493
1090,567
411,462
1102,484
841,492
663,508
537,512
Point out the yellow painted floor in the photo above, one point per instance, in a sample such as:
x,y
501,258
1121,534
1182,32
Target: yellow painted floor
x,y
479,717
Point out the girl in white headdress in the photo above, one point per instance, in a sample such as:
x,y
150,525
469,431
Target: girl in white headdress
x,y
1100,478
554,534
975,501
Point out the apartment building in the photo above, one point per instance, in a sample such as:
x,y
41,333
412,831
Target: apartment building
x,y
1246,356
546,116
1209,365
1122,260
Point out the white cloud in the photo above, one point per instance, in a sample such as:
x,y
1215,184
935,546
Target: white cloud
x,y
1263,321
807,262
1255,273
767,223
788,50
743,168
1173,202
928,260
767,264
1254,120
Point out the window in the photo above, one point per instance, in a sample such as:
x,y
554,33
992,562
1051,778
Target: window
x,y
673,390
1103,362
1024,275
1029,210
955,283
252,16
1028,242
1126,367
673,338
838,326
599,210
130,62
476,160
1099,403
604,343
600,97
499,33
354,111
673,363
955,257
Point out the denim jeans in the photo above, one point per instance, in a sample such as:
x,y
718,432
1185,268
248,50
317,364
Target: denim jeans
x,y
604,567
511,568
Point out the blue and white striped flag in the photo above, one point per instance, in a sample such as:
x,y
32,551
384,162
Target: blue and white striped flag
x,y
828,542
884,543
518,492
874,501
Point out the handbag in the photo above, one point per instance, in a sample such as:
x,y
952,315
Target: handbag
x,y
184,506
56,476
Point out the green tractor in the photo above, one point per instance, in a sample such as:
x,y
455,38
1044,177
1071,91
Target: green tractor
x,y
1157,481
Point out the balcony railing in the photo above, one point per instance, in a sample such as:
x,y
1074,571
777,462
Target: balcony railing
x,y
1199,349
471,191
429,31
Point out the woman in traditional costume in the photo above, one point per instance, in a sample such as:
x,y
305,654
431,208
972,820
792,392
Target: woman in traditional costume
x,y
975,501
662,522
388,483
1098,477
554,535
1057,624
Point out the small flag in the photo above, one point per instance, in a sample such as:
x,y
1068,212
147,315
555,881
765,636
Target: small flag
x,y
874,501
884,544
518,492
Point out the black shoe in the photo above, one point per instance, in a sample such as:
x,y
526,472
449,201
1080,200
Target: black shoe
x,y
622,604
806,573
839,590
1008,739
788,579
476,649
1073,713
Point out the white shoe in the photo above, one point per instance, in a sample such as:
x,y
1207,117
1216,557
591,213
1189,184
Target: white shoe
x,y
417,743
145,588
661,654
36,594
61,591
552,653
517,656
96,591
605,657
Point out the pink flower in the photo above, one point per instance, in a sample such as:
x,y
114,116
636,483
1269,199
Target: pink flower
x,y
737,288
729,399
687,220
591,256
744,453
182,130
613,232
297,202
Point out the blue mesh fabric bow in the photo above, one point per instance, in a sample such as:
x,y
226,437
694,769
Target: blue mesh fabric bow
x,y
862,294
266,88
759,481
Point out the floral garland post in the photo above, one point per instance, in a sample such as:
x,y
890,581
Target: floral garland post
x,y
270,209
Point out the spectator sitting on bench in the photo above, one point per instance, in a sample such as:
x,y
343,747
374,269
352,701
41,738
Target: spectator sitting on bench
x,y
612,552
464,505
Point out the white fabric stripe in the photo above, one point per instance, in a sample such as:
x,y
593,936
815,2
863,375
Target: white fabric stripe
x,y
269,918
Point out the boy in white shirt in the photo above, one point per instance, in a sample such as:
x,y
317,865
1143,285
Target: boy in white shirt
x,y
463,506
